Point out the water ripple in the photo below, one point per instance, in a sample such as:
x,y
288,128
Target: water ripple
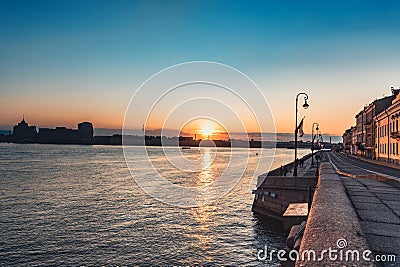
x,y
78,205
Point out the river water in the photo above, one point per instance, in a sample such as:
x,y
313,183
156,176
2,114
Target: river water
x,y
69,205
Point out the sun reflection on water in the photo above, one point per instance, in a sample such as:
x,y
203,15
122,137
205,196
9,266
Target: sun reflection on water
x,y
202,234
207,173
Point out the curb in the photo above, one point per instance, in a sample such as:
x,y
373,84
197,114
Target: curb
x,y
377,162
384,178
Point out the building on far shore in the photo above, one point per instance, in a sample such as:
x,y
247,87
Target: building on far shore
x,y
24,133
376,134
85,132
62,135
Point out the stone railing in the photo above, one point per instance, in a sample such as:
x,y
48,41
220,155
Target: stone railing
x,y
332,225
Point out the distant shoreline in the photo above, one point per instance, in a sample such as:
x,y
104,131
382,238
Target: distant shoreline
x,y
281,136
86,134
157,141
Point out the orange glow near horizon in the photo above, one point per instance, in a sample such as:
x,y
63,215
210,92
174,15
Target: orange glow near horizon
x,y
43,112
204,129
201,130
214,130
61,114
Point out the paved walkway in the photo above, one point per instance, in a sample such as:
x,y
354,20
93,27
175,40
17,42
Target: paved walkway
x,y
376,203
305,170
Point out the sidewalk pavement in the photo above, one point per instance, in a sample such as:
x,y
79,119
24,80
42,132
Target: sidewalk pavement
x,y
307,169
377,205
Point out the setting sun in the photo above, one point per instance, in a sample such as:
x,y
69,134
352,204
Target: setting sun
x,y
208,130
203,128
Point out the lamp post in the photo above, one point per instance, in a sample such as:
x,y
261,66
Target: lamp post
x,y
318,157
312,142
305,106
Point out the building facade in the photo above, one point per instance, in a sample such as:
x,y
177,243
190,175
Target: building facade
x,y
371,111
353,149
347,140
360,141
388,136
376,134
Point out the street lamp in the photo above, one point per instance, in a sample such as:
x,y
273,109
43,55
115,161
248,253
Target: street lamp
x,y
312,142
318,157
305,106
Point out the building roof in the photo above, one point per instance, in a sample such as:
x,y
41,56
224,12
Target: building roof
x,y
380,104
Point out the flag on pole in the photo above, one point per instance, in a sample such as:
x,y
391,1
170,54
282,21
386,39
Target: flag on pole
x,y
300,128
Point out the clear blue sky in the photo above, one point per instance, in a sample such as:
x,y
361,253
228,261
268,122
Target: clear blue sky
x,y
66,61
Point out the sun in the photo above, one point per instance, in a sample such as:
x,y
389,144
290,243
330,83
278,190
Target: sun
x,y
207,130
203,129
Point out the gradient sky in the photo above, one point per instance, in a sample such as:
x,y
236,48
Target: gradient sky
x,y
62,62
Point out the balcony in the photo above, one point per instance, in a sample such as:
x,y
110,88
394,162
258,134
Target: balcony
x,y
395,134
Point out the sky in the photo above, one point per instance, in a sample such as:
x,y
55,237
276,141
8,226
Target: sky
x,y
63,62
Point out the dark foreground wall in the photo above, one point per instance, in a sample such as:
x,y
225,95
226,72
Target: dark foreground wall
x,y
275,194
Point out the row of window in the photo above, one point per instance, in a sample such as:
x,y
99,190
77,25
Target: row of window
x,y
394,148
382,130
394,127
